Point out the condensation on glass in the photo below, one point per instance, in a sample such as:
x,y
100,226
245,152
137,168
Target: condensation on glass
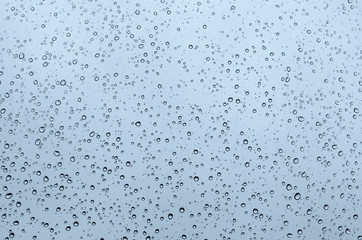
x,y
180,120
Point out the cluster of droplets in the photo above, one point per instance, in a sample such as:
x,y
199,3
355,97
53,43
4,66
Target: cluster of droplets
x,y
180,120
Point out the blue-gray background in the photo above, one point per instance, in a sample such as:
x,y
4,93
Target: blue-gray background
x,y
180,120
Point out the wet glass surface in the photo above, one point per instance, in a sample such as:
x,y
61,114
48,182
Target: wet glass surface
x,y
180,120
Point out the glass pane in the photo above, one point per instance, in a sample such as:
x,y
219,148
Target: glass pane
x,y
180,120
